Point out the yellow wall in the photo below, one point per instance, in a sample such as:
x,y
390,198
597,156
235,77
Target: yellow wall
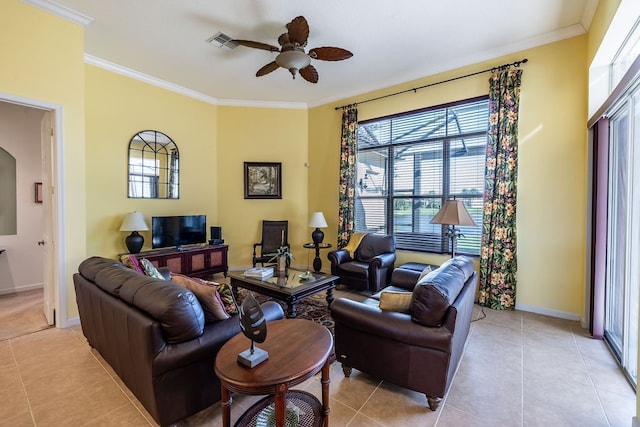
x,y
262,135
214,141
119,107
42,59
552,158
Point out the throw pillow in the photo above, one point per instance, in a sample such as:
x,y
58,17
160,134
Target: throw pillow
x,y
395,301
426,271
132,262
150,269
227,298
207,296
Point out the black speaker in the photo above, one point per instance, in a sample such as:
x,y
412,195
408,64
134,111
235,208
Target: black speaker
x,y
216,236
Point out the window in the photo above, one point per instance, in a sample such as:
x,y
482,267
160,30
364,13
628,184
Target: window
x,y
410,163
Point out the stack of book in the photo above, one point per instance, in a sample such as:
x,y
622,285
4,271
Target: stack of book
x,y
260,273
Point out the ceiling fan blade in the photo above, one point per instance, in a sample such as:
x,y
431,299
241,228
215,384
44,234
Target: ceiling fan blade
x,y
309,73
256,45
330,53
283,39
271,66
298,30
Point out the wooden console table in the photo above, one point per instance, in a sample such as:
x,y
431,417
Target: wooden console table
x,y
199,261
297,348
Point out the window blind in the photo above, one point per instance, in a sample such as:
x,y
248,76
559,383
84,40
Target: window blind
x,y
409,164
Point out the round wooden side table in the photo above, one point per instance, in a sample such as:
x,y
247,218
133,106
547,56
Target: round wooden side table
x,y
298,349
317,261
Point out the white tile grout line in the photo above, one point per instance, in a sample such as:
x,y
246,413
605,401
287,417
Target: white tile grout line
x,y
118,385
593,384
365,402
472,330
24,388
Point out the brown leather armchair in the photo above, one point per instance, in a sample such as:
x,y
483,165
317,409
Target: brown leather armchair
x,y
418,348
370,267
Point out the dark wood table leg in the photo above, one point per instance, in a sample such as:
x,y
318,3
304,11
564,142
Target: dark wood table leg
x,y
225,402
330,295
280,404
317,261
291,310
325,392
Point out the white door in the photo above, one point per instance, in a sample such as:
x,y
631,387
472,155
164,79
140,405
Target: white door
x,y
48,241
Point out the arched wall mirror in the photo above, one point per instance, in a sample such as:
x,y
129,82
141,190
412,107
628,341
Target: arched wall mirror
x,y
154,166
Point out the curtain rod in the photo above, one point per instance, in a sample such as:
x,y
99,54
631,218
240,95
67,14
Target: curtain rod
x,y
415,89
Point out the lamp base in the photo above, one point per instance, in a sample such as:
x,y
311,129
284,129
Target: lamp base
x,y
249,359
317,236
134,242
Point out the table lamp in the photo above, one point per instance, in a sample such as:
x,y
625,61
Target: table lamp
x,y
134,222
317,221
453,213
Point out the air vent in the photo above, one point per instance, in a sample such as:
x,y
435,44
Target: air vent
x,y
220,39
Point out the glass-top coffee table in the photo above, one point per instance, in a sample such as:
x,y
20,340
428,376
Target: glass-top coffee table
x,y
286,286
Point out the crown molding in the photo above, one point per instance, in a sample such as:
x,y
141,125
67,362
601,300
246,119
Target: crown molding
x,y
418,72
163,84
589,13
61,11
146,78
262,104
543,39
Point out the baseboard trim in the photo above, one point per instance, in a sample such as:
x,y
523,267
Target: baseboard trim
x,y
74,321
548,312
22,289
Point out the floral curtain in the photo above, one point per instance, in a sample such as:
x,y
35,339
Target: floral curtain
x,y
498,262
346,199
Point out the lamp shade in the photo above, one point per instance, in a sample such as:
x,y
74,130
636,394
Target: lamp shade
x,y
134,221
317,220
453,212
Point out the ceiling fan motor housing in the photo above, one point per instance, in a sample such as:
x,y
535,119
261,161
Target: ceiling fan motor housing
x,y
293,60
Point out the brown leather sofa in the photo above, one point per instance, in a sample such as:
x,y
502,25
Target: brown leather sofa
x,y
418,349
152,333
370,267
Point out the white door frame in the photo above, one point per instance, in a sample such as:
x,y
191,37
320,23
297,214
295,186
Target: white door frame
x,y
58,207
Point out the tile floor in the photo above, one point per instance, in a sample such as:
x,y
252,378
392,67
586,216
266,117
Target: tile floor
x,y
519,369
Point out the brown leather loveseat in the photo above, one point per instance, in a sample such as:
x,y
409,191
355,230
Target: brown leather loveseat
x,y
417,341
153,334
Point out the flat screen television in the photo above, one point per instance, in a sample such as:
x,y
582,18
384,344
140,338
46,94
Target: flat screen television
x,y
178,231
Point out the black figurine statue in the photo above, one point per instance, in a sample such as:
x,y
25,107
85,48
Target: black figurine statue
x,y
254,327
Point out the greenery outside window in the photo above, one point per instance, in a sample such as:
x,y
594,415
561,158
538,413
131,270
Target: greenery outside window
x,y
409,164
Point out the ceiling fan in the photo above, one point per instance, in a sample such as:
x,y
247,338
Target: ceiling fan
x,y
291,54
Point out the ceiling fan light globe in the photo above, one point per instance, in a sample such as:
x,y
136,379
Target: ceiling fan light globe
x,y
293,60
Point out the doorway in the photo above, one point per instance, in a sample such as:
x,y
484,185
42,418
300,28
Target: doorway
x,y
31,261
622,277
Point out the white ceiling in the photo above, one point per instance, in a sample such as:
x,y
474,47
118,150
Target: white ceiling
x,y
392,41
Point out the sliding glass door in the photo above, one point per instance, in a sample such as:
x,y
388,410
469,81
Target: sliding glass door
x,y
623,230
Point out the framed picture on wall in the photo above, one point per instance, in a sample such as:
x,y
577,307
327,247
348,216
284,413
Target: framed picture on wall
x,y
38,192
262,180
